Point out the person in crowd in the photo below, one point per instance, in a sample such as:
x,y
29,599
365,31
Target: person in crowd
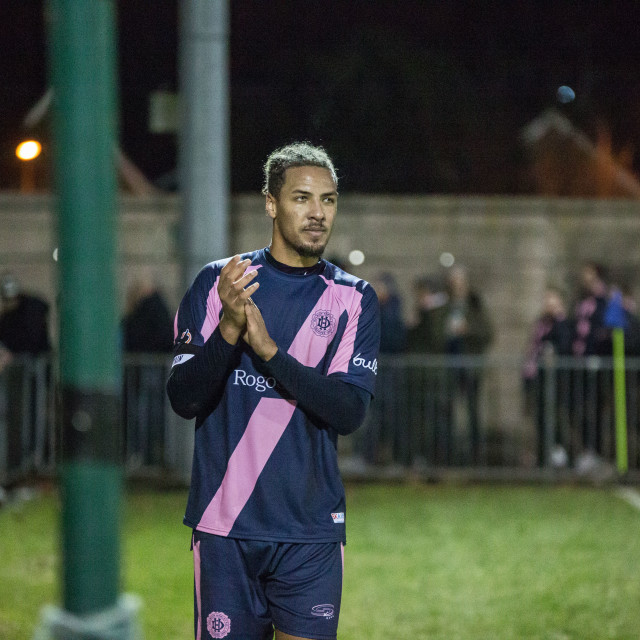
x,y
465,328
24,344
5,357
590,335
429,300
147,328
551,335
375,442
276,356
622,312
590,388
632,320
428,438
393,331
621,285
24,319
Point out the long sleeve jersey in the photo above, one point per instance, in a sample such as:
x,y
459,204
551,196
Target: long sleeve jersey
x,y
265,456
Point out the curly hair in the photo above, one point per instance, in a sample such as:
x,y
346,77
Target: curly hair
x,y
297,154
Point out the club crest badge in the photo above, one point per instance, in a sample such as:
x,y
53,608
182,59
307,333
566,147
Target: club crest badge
x,y
323,323
218,624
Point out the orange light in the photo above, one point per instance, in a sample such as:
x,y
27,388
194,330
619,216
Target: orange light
x,y
28,150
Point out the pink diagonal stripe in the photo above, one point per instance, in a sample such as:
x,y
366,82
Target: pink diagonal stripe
x,y
344,353
265,428
309,348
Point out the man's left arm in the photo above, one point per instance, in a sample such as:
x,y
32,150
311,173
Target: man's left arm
x,y
331,402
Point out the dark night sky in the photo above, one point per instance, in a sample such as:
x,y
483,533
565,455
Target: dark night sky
x,y
408,96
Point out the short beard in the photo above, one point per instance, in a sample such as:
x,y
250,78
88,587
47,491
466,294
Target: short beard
x,y
308,250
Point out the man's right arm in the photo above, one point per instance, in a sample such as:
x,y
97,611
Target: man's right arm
x,y
198,375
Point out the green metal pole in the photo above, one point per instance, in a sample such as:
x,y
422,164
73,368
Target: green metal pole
x,y
620,394
82,56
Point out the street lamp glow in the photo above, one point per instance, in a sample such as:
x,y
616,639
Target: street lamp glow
x,y
28,150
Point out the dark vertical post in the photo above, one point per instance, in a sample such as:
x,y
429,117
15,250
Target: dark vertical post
x,y
82,55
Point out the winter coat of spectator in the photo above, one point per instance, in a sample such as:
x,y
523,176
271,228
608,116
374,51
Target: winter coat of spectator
x,y
147,326
23,321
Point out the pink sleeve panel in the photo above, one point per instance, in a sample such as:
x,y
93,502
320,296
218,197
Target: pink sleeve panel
x,y
310,344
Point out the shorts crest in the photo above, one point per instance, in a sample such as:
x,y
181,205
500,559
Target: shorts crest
x,y
218,624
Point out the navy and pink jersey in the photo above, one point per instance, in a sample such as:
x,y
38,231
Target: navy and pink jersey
x,y
262,469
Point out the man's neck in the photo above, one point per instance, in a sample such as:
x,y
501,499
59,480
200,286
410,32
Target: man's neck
x,y
292,258
287,268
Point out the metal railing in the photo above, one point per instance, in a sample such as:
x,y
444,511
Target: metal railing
x,y
27,437
156,442
431,414
475,412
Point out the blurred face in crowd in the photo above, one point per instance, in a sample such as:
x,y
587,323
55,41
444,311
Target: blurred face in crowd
x,y
590,280
553,304
458,283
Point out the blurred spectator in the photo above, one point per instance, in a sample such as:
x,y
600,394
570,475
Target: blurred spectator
x,y
465,329
147,326
590,335
429,300
590,387
5,357
393,331
551,335
632,324
551,332
147,329
24,319
426,388
24,336
631,321
381,427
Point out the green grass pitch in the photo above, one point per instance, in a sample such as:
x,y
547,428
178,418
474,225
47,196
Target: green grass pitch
x,y
423,561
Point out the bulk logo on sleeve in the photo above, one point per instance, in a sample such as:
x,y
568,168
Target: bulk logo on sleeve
x,y
359,361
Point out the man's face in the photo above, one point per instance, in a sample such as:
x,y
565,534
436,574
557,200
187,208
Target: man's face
x,y
302,215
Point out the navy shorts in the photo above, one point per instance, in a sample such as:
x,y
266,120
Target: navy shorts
x,y
245,588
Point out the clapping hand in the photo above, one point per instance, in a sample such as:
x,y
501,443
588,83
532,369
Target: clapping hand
x,y
235,288
256,335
